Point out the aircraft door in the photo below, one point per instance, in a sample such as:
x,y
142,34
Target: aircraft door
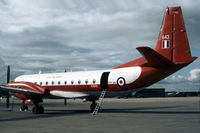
x,y
104,80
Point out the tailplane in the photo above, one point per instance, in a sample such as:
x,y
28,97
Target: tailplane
x,y
153,58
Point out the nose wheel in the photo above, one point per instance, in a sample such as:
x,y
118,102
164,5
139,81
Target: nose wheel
x,y
24,107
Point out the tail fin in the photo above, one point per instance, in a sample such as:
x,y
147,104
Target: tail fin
x,y
172,46
173,42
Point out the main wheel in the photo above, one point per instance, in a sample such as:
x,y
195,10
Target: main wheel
x,y
35,110
40,109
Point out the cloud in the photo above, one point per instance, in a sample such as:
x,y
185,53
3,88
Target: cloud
x,y
178,78
182,81
3,73
54,35
194,75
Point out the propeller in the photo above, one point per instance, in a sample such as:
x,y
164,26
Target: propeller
x,y
65,100
8,80
8,74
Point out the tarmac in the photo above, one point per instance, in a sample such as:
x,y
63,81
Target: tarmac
x,y
139,115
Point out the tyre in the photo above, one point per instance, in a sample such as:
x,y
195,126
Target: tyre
x,y
40,109
34,110
22,108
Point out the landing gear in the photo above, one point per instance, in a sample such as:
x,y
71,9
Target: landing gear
x,y
93,105
38,109
24,107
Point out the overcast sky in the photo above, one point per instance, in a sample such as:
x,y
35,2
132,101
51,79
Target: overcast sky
x,y
50,35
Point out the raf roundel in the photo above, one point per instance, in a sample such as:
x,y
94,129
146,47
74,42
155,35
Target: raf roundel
x,y
121,82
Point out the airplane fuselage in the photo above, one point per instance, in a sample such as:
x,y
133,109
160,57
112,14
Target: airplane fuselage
x,y
118,82
86,83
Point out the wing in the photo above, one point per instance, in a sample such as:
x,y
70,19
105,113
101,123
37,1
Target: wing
x,y
51,94
19,90
3,93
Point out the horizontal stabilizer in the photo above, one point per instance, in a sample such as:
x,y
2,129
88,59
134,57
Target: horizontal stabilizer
x,y
153,58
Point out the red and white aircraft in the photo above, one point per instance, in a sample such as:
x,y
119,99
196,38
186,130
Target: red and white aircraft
x,y
172,53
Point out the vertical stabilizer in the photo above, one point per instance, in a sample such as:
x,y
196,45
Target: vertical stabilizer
x,y
173,42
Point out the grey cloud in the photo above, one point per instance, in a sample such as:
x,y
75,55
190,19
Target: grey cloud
x,y
180,82
54,35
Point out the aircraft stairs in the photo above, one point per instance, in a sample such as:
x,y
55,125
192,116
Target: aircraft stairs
x,y
99,101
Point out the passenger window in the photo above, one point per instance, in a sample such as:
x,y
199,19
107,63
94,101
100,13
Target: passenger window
x,y
72,82
58,82
40,83
52,83
86,81
94,81
79,81
65,82
46,83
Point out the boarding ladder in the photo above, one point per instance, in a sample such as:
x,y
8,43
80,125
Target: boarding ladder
x,y
99,101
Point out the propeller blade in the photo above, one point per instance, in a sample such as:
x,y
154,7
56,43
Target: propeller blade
x,y
8,80
8,74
